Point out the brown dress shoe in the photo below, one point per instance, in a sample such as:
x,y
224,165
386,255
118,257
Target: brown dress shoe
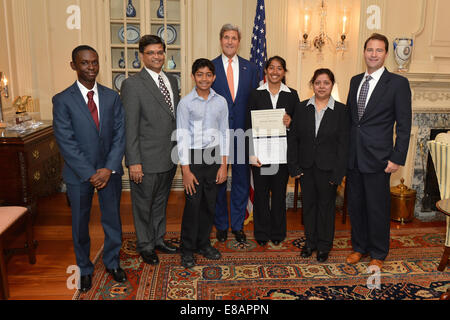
x,y
446,295
354,257
376,262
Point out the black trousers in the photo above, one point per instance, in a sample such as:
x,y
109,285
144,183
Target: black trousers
x,y
318,205
199,209
369,208
269,213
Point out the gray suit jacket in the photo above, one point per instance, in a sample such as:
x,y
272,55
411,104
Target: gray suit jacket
x,y
149,123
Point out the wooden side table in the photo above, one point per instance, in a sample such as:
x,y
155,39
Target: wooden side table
x,y
31,166
444,207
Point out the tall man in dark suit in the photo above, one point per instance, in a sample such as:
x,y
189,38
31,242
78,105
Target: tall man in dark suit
x,y
150,99
377,100
235,79
88,122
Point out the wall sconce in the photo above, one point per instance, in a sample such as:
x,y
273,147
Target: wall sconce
x,y
341,44
305,44
4,85
322,39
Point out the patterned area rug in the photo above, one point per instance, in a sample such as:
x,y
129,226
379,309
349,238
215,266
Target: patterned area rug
x,y
252,272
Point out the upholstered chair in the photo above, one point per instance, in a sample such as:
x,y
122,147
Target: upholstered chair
x,y
440,153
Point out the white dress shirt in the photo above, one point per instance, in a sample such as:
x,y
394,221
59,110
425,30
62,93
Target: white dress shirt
x,y
235,67
372,83
166,81
84,92
274,97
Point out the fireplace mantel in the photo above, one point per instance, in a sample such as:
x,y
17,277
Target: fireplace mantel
x,y
430,92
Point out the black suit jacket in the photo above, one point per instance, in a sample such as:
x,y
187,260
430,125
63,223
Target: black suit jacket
x,y
329,150
260,100
371,138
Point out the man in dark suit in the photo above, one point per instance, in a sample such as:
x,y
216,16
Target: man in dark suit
x,y
377,100
235,79
88,122
150,98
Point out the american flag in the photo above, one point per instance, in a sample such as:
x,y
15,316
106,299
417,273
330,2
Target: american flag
x,y
258,51
258,55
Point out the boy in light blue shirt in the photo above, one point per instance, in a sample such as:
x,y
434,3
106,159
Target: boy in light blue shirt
x,y
203,144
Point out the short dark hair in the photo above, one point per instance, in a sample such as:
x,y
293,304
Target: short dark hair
x,y
201,63
318,72
378,36
81,48
150,39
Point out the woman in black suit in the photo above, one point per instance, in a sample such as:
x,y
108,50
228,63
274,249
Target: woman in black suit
x,y
270,215
317,153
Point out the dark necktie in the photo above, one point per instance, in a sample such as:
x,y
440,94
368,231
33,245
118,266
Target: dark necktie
x,y
363,97
165,93
93,107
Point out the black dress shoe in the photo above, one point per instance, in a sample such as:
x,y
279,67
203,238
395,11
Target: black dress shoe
x,y
239,236
210,253
150,257
222,235
118,274
85,283
262,243
306,252
166,247
187,260
322,256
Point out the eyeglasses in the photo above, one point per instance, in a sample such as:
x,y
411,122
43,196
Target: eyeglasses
x,y
154,53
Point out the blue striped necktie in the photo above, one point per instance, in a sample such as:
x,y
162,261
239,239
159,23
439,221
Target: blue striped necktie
x,y
363,97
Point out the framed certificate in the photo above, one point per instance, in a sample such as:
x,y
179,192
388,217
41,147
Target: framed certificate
x,y
269,136
268,123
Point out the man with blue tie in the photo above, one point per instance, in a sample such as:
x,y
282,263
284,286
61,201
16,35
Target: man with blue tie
x,y
377,100
235,79
88,121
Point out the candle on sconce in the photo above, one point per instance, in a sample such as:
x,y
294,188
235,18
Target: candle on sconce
x,y
344,23
306,23
4,85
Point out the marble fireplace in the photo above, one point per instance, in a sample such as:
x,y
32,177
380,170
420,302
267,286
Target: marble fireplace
x,y
431,115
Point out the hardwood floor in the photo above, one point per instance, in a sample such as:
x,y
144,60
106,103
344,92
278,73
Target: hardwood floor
x,y
46,280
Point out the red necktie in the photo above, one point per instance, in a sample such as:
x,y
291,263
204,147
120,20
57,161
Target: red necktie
x,y
93,107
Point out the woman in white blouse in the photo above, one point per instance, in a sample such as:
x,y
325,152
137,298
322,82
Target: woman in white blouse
x,y
269,214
